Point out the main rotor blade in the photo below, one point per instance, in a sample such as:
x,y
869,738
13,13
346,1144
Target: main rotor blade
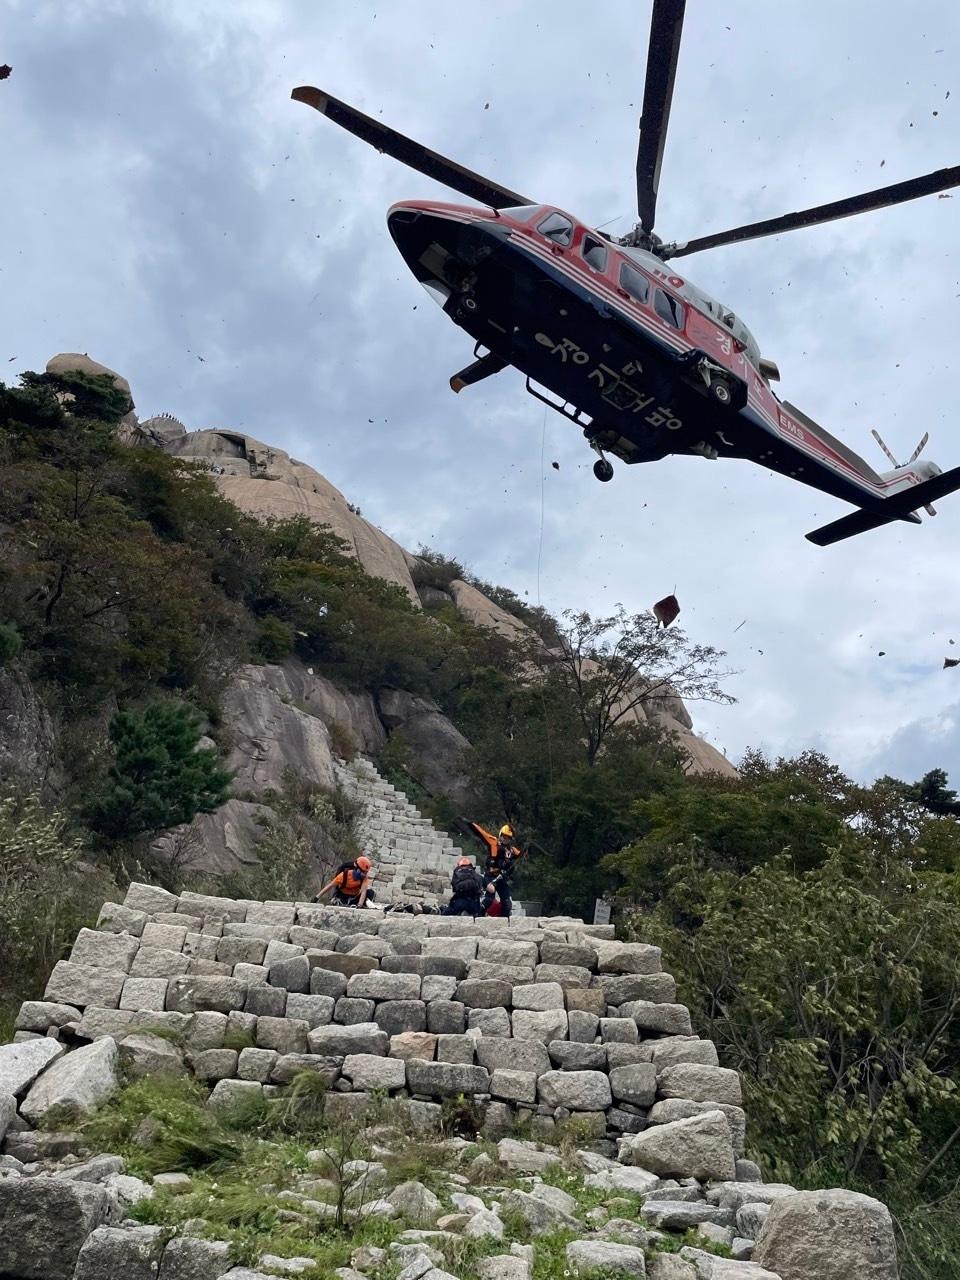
x,y
898,193
473,185
666,25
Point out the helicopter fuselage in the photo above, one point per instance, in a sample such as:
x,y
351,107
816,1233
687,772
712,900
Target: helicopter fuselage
x,y
641,360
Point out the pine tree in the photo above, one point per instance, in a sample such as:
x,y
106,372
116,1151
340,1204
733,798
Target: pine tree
x,y
160,777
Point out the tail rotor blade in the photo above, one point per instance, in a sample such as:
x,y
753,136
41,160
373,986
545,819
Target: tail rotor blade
x,y
880,441
919,449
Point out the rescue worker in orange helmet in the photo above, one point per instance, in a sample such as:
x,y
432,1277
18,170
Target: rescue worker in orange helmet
x,y
350,884
467,888
503,852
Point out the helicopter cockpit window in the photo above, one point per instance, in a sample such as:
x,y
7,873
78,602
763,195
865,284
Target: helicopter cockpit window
x,y
521,212
556,227
594,253
668,309
634,282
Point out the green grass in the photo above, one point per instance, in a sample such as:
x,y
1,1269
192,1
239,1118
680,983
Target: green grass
x,y
175,1035
248,1216
419,1161
241,1159
8,1017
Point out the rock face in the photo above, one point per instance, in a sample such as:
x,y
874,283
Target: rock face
x,y
79,1081
20,1064
241,464
700,1147
436,745
828,1235
476,608
284,719
28,741
280,720
272,736
44,1223
218,842
76,362
355,712
265,481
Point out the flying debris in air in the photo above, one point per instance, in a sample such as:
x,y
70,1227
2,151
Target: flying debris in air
x,y
666,610
555,465
951,662
5,71
882,653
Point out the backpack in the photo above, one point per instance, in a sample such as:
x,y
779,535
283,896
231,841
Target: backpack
x,y
464,881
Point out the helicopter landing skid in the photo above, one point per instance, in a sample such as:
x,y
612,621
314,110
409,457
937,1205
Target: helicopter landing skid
x,y
568,410
602,468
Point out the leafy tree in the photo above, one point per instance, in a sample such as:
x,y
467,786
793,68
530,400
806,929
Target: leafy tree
x,y
614,668
933,794
827,974
733,823
160,776
103,602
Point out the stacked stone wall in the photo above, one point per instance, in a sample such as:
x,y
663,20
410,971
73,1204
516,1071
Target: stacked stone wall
x,y
537,1020
535,1024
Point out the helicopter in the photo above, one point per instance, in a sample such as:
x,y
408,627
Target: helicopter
x,y
608,333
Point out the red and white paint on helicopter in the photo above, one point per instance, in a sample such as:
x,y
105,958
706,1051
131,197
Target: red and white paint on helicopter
x,y
731,344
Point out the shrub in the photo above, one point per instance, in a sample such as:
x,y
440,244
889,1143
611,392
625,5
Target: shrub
x,y
435,570
10,642
274,640
46,892
160,776
344,741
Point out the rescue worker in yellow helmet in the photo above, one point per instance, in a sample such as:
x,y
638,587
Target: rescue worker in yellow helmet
x,y
503,852
350,884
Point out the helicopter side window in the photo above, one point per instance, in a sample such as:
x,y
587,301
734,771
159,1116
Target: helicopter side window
x,y
594,253
556,227
668,309
634,282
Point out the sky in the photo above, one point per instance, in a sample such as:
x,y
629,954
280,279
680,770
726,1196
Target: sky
x,y
164,200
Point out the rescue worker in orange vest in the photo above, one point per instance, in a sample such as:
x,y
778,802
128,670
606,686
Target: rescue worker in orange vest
x,y
350,884
502,855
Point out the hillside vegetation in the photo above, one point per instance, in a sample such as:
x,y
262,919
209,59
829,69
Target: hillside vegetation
x,y
811,922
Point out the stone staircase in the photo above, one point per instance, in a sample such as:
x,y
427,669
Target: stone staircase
x,y
412,859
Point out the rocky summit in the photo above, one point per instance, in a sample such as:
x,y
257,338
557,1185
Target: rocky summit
x,y
478,1105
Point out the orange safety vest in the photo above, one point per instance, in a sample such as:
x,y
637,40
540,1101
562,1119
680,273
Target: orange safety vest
x,y
349,881
495,859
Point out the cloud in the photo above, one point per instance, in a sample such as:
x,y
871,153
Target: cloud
x,y
165,200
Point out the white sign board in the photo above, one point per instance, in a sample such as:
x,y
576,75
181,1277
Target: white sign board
x,y
601,911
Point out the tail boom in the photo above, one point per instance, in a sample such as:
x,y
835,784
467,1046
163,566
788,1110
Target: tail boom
x,y
901,505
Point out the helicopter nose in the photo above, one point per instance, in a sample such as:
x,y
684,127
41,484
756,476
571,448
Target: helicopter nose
x,y
441,244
